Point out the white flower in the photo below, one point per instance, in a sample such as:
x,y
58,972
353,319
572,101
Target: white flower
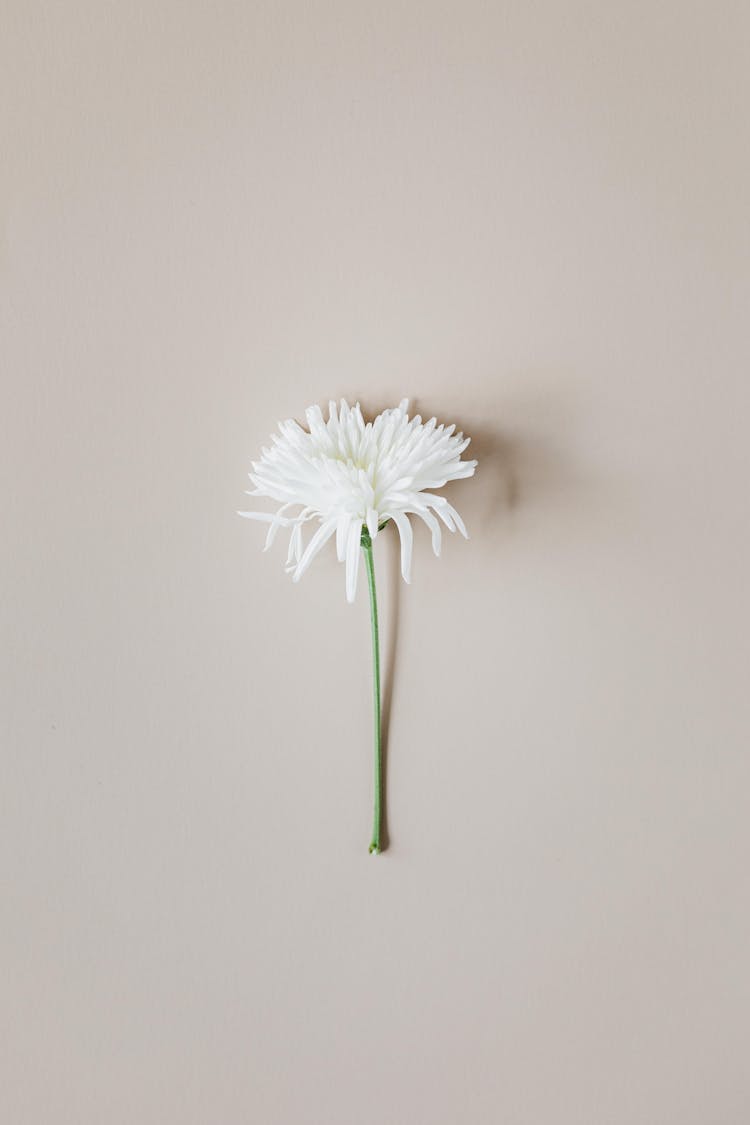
x,y
350,475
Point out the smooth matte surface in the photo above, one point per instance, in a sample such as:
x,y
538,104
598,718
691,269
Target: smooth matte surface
x,y
532,219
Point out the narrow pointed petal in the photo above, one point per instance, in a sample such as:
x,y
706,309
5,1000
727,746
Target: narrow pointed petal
x,y
295,544
445,516
276,523
342,531
319,539
434,527
272,533
352,559
405,532
459,522
314,416
262,517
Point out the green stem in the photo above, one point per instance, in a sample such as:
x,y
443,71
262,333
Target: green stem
x,y
377,816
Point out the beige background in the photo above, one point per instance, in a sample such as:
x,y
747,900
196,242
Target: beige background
x,y
533,219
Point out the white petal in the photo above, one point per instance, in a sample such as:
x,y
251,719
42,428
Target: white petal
x,y
314,416
342,530
434,527
459,522
352,559
404,529
446,512
295,545
263,517
372,522
321,536
272,532
278,522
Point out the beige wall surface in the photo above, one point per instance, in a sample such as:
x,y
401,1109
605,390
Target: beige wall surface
x,y
532,219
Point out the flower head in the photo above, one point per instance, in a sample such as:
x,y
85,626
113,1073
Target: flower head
x,y
350,475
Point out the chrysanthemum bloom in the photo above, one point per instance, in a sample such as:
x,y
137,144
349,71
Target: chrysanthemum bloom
x,y
352,477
